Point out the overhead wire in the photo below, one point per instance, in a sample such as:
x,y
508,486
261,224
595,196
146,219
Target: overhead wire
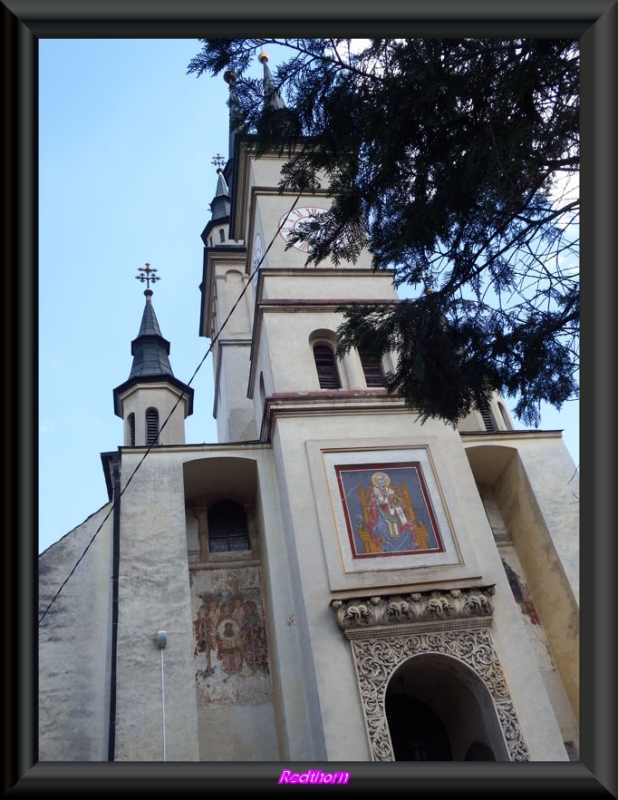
x,y
156,438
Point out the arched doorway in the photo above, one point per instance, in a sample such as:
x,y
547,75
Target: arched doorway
x,y
437,709
435,647
417,732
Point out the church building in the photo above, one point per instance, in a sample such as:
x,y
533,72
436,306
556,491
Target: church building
x,y
330,581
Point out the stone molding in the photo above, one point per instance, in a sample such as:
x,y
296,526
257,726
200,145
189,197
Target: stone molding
x,y
385,631
436,607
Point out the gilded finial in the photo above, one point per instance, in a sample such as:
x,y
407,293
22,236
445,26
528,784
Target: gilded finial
x,y
262,56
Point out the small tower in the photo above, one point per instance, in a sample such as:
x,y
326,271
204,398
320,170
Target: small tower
x,y
152,393
216,231
227,316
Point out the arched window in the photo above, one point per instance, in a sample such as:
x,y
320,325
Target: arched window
x,y
152,426
131,423
326,367
227,527
221,235
372,368
505,417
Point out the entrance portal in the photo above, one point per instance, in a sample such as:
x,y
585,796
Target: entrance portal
x,y
437,709
429,678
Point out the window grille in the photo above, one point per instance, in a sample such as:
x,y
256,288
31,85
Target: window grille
x,y
152,426
372,368
227,527
132,430
326,367
488,420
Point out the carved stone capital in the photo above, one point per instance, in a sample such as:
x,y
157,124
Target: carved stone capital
x,y
438,607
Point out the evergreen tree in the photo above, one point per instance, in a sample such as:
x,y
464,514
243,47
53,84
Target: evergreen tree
x,y
448,159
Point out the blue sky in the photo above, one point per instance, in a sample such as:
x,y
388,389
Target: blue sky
x,y
127,140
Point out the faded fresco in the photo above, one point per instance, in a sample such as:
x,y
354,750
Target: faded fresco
x,y
230,649
388,510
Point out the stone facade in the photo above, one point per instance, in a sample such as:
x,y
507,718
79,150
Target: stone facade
x,y
379,557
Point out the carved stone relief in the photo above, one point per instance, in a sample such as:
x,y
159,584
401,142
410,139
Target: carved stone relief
x,y
384,632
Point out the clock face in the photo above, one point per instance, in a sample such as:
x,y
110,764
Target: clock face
x,y
289,222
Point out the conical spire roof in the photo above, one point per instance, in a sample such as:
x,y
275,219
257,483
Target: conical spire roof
x,y
150,350
220,205
235,116
272,99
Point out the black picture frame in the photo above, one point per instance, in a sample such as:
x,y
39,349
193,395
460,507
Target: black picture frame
x,y
595,23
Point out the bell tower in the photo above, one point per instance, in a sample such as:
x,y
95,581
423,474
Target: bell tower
x,y
421,537
152,393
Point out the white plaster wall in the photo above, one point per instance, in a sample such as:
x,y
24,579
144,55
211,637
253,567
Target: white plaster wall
x,y
315,283
339,706
552,473
324,658
234,313
235,411
541,542
294,689
542,652
294,682
74,644
154,595
532,704
238,733
291,356
164,398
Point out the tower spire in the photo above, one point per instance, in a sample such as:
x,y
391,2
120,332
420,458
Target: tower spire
x,y
220,205
278,121
229,76
150,351
272,99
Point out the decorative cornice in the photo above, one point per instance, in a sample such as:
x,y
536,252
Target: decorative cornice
x,y
439,609
338,401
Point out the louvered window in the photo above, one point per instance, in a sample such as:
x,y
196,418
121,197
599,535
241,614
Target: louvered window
x,y
152,426
488,420
227,527
328,376
374,376
131,422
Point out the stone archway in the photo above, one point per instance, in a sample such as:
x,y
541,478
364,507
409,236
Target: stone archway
x,y
386,632
441,704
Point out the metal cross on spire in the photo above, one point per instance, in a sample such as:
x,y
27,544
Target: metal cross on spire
x,y
147,274
218,161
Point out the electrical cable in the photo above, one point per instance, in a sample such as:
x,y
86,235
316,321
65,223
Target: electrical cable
x,y
199,366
